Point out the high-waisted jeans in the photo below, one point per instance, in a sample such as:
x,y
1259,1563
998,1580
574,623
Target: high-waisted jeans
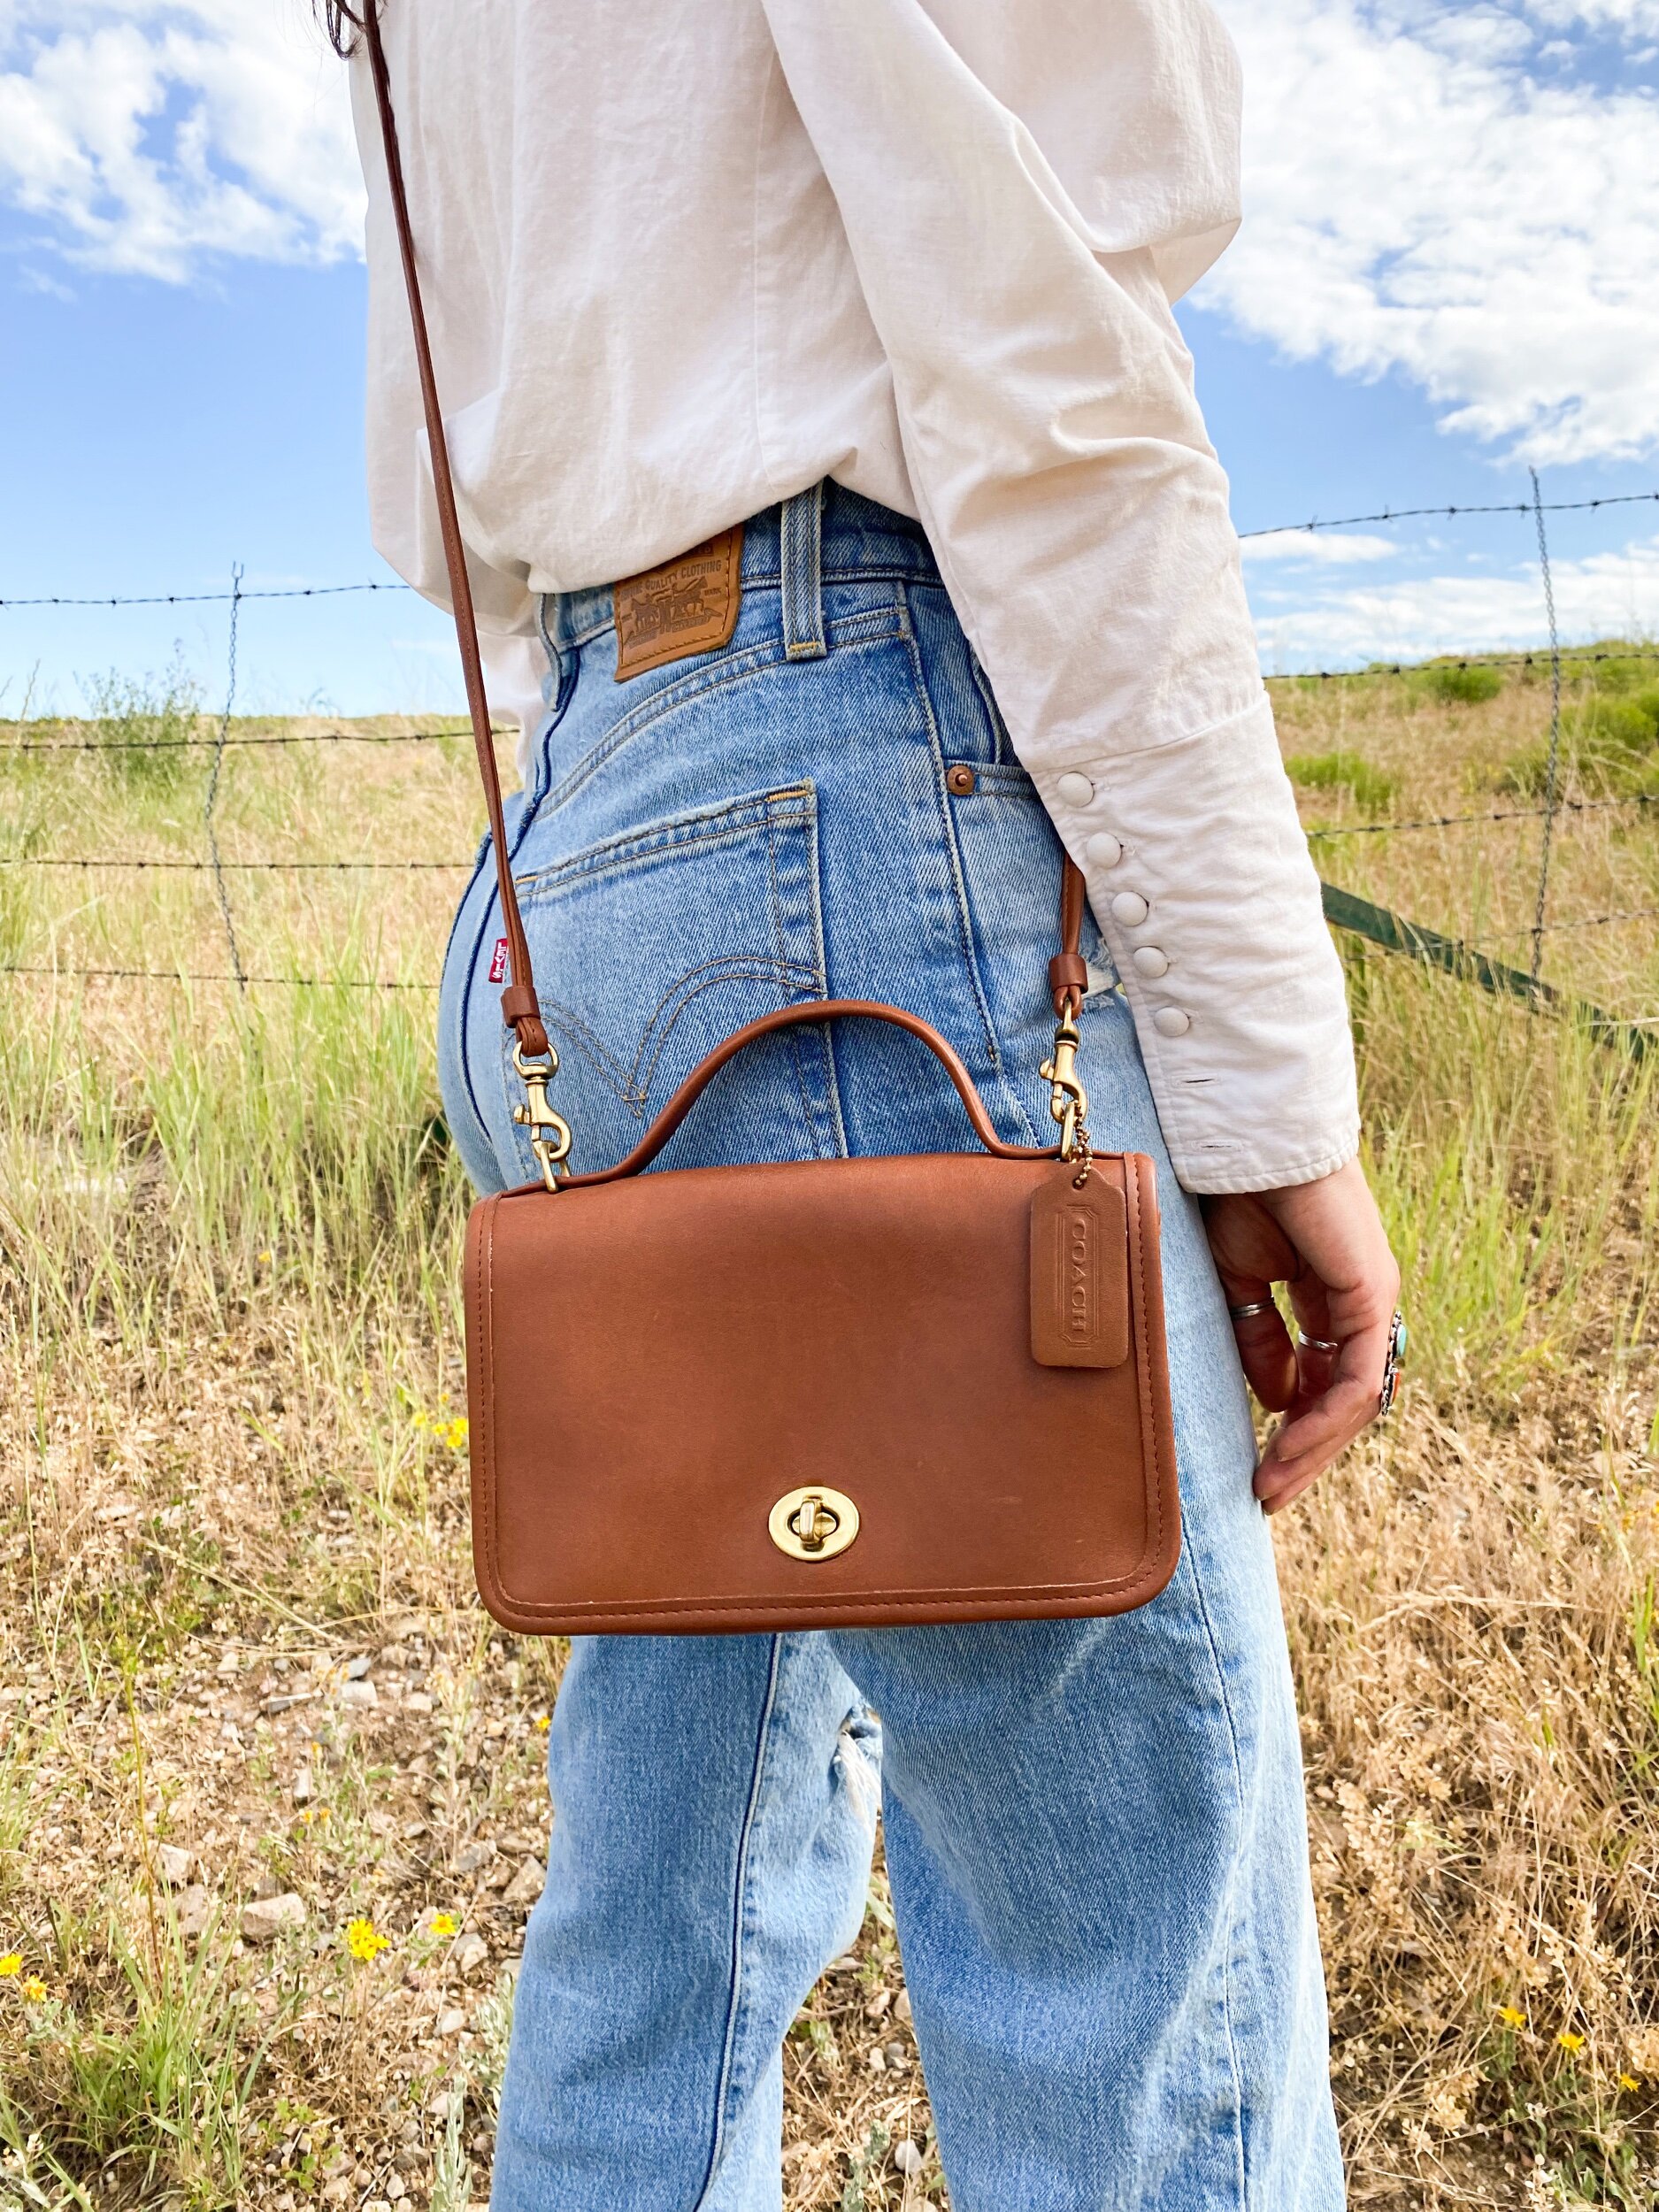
x,y
1094,1830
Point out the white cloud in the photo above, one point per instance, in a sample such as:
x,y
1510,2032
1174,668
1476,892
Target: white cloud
x,y
1605,595
1319,549
1420,199
1433,188
1628,18
154,134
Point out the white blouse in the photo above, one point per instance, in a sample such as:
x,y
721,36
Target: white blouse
x,y
682,261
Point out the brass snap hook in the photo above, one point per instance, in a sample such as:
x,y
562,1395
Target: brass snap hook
x,y
550,1132
1068,1101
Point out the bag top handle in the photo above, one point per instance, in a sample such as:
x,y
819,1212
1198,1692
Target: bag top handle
x,y
1068,973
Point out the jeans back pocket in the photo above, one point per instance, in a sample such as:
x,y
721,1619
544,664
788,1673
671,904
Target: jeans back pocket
x,y
650,949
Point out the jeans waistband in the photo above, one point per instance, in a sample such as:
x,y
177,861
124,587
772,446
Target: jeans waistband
x,y
822,534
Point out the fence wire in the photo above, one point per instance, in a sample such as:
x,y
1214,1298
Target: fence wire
x,y
1344,908
1440,514
1325,833
1273,530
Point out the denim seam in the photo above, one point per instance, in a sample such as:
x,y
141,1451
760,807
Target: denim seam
x,y
953,856
713,825
725,670
1232,1881
779,953
734,1987
532,807
833,1114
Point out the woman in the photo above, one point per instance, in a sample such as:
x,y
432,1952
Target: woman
x,y
835,494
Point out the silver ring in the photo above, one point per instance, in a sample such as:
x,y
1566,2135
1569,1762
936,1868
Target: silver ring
x,y
1249,1313
1317,1343
1398,1338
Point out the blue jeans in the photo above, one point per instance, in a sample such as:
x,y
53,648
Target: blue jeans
x,y
1095,1829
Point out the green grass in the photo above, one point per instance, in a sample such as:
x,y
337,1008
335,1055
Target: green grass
x,y
1369,789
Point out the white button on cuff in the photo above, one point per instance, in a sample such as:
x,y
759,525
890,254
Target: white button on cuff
x,y
1169,1021
1150,962
1130,908
1103,849
1075,788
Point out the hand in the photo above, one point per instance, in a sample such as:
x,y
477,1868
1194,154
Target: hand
x,y
1326,1240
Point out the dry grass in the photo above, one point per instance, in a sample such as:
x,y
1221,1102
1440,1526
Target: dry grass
x,y
229,1477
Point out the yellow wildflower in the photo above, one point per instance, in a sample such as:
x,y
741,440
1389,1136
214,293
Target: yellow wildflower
x,y
1510,2017
12,1963
364,1940
443,1923
34,1989
1629,2081
455,1433
1569,2041
543,1721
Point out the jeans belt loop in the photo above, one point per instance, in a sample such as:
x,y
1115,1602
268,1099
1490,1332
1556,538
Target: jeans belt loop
x,y
800,559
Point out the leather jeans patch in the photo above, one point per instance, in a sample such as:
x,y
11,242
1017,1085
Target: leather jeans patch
x,y
687,606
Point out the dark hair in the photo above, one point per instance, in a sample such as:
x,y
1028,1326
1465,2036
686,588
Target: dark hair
x,y
344,22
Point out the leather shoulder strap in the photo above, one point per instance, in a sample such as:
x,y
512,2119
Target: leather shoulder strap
x,y
1068,975
521,1009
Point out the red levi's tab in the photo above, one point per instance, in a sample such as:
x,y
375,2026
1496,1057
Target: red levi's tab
x,y
498,961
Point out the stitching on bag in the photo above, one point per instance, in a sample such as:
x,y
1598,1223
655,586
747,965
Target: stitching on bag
x,y
1143,1367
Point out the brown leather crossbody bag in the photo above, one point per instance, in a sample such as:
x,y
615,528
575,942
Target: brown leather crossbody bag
x,y
825,1392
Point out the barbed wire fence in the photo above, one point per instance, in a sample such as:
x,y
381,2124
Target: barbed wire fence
x,y
1378,925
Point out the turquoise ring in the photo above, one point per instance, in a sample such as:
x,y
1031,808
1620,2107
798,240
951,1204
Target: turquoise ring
x,y
1398,1338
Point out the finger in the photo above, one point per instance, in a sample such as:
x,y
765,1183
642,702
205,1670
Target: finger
x,y
1305,1445
1346,1404
1268,1357
1315,1370
1326,1427
1265,1352
1304,1448
1316,1359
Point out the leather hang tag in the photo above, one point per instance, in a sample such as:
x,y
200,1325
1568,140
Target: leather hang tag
x,y
687,605
1080,1272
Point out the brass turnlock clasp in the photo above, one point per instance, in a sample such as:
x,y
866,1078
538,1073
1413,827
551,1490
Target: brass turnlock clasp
x,y
814,1523
550,1132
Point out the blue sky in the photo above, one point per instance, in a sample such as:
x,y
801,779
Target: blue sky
x,y
1450,267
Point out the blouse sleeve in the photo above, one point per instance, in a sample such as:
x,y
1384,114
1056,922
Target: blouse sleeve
x,y
1024,191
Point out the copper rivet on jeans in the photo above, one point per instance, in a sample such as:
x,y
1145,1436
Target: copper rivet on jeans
x,y
960,782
